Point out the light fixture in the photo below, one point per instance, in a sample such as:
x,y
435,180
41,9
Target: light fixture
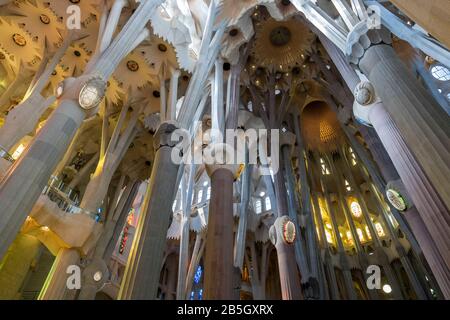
x,y
387,288
92,93
45,228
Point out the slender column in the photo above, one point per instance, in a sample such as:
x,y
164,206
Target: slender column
x,y
309,276
217,108
142,274
197,254
111,24
219,268
241,234
187,190
289,275
55,287
163,94
306,204
173,98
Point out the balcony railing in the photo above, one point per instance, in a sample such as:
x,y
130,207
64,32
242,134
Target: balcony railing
x,y
66,198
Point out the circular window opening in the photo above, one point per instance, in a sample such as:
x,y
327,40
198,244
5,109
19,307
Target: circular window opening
x,y
440,73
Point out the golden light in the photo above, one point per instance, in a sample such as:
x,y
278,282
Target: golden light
x,y
360,234
329,237
16,155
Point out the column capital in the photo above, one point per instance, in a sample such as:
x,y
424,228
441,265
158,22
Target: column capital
x,y
163,135
287,138
361,38
221,156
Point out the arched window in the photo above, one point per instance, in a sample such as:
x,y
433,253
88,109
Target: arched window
x,y
356,209
352,156
208,193
347,186
200,196
440,73
258,206
268,204
324,167
379,229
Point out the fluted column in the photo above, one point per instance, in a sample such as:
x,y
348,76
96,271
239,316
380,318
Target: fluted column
x,y
430,206
421,122
142,274
20,189
389,172
219,267
27,178
289,275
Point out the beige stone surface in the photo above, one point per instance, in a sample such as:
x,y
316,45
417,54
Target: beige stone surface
x,y
433,15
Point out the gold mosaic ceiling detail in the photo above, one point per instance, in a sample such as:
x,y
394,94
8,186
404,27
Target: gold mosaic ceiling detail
x,y
320,128
281,45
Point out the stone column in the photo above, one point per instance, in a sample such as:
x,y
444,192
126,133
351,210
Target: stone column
x,y
421,122
431,208
24,182
142,274
55,286
289,275
219,267
389,173
173,95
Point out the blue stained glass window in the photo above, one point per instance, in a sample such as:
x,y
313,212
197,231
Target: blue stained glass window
x,y
198,275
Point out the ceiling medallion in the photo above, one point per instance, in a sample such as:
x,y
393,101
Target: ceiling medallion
x,y
396,199
280,36
289,232
132,65
19,40
44,19
92,93
281,45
